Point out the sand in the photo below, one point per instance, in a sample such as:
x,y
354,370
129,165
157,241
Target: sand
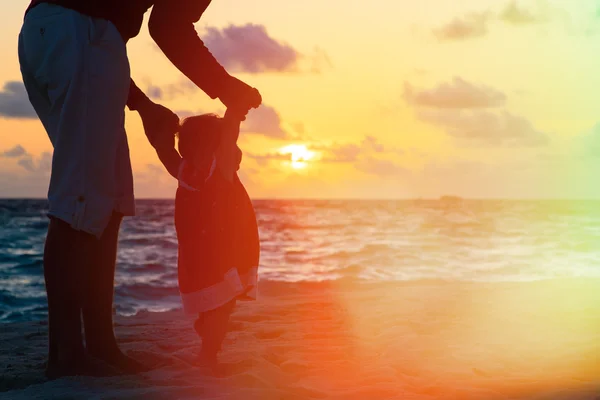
x,y
426,340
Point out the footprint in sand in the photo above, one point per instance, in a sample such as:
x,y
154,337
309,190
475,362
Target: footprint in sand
x,y
151,359
235,326
253,318
275,358
169,348
222,370
225,369
296,367
274,334
251,380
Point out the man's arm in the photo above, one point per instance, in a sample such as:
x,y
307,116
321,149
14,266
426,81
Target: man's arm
x,y
137,99
171,26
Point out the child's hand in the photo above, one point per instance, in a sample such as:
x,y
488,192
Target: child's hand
x,y
240,97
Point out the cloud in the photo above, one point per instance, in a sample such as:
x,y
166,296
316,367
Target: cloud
x,y
152,174
27,163
14,102
381,168
365,156
515,15
486,128
455,95
169,91
266,121
461,110
38,165
371,142
344,153
15,152
183,114
475,25
369,156
470,26
154,92
264,159
249,48
349,152
362,155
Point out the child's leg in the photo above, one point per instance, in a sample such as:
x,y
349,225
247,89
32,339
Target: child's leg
x,y
213,329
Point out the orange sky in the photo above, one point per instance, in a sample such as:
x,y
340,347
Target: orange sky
x,y
478,98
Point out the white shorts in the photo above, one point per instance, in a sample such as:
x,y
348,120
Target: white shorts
x,y
76,73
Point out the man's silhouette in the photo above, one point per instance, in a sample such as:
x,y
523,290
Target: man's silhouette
x,y
76,71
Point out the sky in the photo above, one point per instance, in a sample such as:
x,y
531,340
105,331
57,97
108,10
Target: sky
x,y
473,98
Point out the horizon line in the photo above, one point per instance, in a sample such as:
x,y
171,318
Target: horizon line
x,y
451,197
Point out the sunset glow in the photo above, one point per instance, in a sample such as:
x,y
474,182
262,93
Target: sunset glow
x,y
414,204
299,155
454,96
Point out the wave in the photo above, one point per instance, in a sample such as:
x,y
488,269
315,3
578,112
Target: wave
x,y
361,241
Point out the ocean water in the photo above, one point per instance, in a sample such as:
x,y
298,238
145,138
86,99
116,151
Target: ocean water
x,y
405,240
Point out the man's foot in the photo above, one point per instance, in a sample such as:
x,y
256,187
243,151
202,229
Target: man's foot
x,y
211,365
80,366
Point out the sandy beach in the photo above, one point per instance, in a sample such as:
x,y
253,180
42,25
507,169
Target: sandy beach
x,y
341,340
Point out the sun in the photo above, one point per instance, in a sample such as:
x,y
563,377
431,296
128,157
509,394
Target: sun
x,y
299,155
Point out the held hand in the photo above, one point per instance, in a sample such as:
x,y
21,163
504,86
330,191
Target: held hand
x,y
160,125
240,97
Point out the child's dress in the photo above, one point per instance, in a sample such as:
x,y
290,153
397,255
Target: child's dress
x,y
218,240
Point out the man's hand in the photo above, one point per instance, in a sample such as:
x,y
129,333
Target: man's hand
x,y
160,125
239,97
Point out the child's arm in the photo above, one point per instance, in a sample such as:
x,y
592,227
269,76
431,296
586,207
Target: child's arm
x,y
171,159
227,153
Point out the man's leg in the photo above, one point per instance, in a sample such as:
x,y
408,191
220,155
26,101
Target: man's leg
x,y
76,74
65,254
64,323
98,301
64,313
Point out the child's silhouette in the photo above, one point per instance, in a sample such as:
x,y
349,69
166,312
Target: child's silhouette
x,y
216,228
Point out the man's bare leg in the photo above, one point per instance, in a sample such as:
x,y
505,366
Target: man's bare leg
x,y
98,302
65,253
